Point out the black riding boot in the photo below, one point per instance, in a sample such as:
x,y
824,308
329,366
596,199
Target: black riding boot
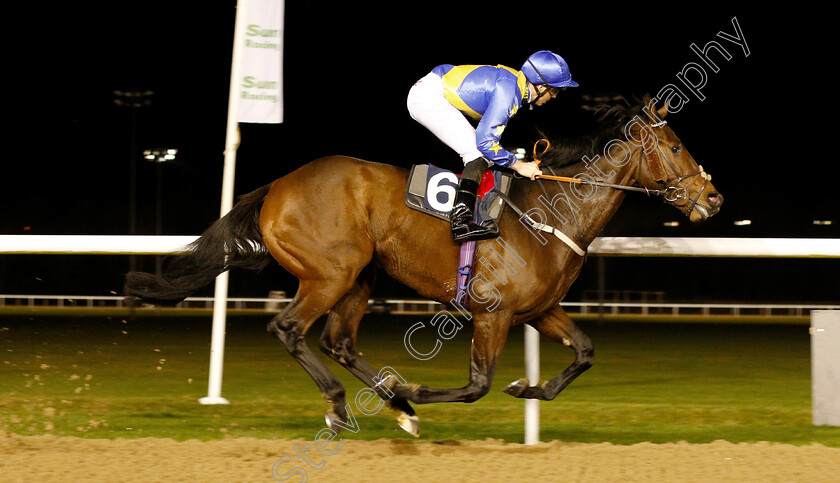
x,y
462,217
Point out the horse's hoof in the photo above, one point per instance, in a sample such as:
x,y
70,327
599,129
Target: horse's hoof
x,y
409,423
330,418
517,387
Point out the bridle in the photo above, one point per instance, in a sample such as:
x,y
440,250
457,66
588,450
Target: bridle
x,y
672,191
677,192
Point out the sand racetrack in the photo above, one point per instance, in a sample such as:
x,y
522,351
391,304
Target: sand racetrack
x,y
51,458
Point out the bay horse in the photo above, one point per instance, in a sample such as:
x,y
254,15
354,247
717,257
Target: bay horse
x,y
335,222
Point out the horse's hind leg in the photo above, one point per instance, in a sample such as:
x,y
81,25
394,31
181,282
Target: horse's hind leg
x,y
339,342
557,325
312,300
490,331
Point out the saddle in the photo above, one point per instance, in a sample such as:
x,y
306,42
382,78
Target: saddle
x,y
431,190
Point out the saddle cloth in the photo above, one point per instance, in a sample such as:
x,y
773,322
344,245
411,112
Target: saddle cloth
x,y
431,190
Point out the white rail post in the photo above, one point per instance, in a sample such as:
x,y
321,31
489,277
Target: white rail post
x,y
825,367
532,372
217,341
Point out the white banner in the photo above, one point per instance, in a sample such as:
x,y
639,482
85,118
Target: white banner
x,y
261,82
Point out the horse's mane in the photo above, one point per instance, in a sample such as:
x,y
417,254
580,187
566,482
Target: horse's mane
x,y
611,120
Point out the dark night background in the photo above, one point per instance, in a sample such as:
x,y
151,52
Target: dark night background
x,y
347,73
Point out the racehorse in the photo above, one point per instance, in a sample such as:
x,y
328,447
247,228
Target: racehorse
x,y
336,221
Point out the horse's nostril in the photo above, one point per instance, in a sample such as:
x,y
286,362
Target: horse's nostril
x,y
715,199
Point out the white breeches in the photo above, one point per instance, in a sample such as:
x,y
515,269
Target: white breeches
x,y
428,106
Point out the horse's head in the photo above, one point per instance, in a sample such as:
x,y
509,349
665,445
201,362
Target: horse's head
x,y
666,164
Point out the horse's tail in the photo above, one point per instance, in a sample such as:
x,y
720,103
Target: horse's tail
x,y
234,241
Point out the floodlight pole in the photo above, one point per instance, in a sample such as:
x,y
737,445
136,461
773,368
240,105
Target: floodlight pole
x,y
158,212
217,341
133,99
159,156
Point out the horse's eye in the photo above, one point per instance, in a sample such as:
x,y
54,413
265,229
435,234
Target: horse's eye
x,y
676,149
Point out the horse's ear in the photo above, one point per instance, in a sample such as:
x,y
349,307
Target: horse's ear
x,y
663,111
649,104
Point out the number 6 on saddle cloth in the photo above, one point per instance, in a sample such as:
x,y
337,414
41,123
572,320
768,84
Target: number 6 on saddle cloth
x,y
431,190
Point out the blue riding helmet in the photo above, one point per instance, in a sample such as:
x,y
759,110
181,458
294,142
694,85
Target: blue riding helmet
x,y
548,69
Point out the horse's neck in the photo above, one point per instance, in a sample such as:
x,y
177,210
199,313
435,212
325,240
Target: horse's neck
x,y
584,209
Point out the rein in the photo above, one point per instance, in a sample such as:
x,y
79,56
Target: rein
x,y
671,193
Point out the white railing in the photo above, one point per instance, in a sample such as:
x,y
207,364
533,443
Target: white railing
x,y
704,309
93,301
411,306
602,246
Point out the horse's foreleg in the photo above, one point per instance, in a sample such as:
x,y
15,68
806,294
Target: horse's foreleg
x,y
557,325
489,334
339,342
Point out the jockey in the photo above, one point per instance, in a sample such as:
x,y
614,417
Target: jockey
x,y
490,95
